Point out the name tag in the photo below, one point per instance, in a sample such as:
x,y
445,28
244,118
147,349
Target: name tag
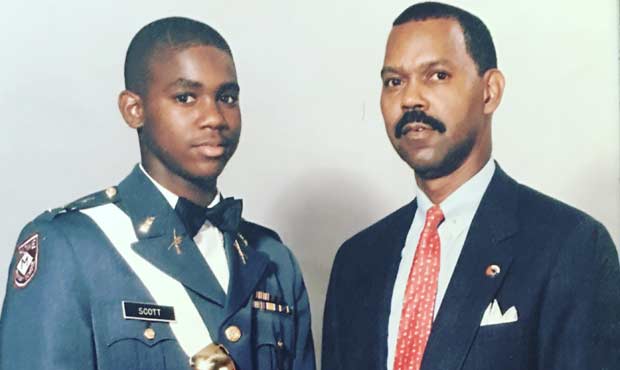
x,y
147,312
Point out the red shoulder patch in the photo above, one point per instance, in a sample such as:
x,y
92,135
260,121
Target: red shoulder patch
x,y
27,259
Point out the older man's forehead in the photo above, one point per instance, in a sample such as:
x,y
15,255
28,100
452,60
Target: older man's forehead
x,y
437,33
432,41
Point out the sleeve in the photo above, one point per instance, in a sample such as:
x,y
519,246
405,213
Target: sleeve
x,y
330,354
45,323
304,358
580,317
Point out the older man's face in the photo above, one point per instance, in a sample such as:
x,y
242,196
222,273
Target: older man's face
x,y
427,70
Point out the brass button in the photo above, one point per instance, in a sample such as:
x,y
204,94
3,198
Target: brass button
x,y
233,333
110,192
492,271
149,333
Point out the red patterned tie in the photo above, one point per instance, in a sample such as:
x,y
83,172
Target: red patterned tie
x,y
419,302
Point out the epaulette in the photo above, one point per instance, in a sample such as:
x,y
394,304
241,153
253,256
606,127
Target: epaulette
x,y
254,231
96,199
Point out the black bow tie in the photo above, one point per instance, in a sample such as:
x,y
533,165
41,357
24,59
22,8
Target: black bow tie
x,y
226,215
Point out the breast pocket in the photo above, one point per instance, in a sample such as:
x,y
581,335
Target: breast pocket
x,y
136,344
274,335
499,346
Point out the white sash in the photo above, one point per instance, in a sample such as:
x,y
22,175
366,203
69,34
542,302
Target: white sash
x,y
189,329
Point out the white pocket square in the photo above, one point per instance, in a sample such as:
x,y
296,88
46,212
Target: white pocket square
x,y
493,315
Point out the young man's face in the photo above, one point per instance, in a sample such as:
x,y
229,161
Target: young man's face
x,y
427,69
192,119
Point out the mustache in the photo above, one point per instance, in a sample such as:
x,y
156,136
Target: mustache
x,y
412,116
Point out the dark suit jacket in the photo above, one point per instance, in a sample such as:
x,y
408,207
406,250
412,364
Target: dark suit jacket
x,y
559,268
70,315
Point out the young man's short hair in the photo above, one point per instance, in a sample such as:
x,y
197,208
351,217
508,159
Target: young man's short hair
x,y
162,34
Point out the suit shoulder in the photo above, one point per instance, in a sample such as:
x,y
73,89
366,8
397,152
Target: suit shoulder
x,y
563,227
545,210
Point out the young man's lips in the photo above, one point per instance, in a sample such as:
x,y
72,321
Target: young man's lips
x,y
213,150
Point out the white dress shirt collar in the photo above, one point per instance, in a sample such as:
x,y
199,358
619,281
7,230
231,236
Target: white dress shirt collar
x,y
171,197
464,201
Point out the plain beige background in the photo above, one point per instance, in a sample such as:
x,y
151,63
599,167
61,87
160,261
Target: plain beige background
x,y
314,162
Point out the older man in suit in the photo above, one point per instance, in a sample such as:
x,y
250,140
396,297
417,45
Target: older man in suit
x,y
478,271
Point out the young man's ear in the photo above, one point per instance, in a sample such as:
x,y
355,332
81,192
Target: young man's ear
x,y
132,110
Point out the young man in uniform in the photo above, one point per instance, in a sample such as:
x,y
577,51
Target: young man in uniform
x,y
161,270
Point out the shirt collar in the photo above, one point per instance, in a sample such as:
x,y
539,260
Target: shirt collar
x,y
464,201
171,197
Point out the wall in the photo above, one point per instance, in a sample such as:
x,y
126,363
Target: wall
x,y
314,162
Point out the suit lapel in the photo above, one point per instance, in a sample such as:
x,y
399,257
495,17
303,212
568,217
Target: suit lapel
x,y
470,291
141,200
245,272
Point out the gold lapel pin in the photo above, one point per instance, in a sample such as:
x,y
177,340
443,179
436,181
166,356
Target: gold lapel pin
x,y
176,241
145,226
492,271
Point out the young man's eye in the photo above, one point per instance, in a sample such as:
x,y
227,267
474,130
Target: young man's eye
x,y
228,98
185,98
391,82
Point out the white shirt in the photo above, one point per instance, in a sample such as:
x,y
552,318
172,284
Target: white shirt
x,y
209,239
459,210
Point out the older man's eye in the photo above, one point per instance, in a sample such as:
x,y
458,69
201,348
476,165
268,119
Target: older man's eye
x,y
185,98
440,75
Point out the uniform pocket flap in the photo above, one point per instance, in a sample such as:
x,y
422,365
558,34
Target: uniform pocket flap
x,y
148,333
116,328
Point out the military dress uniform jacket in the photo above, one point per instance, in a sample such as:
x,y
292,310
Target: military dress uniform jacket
x,y
70,314
556,266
